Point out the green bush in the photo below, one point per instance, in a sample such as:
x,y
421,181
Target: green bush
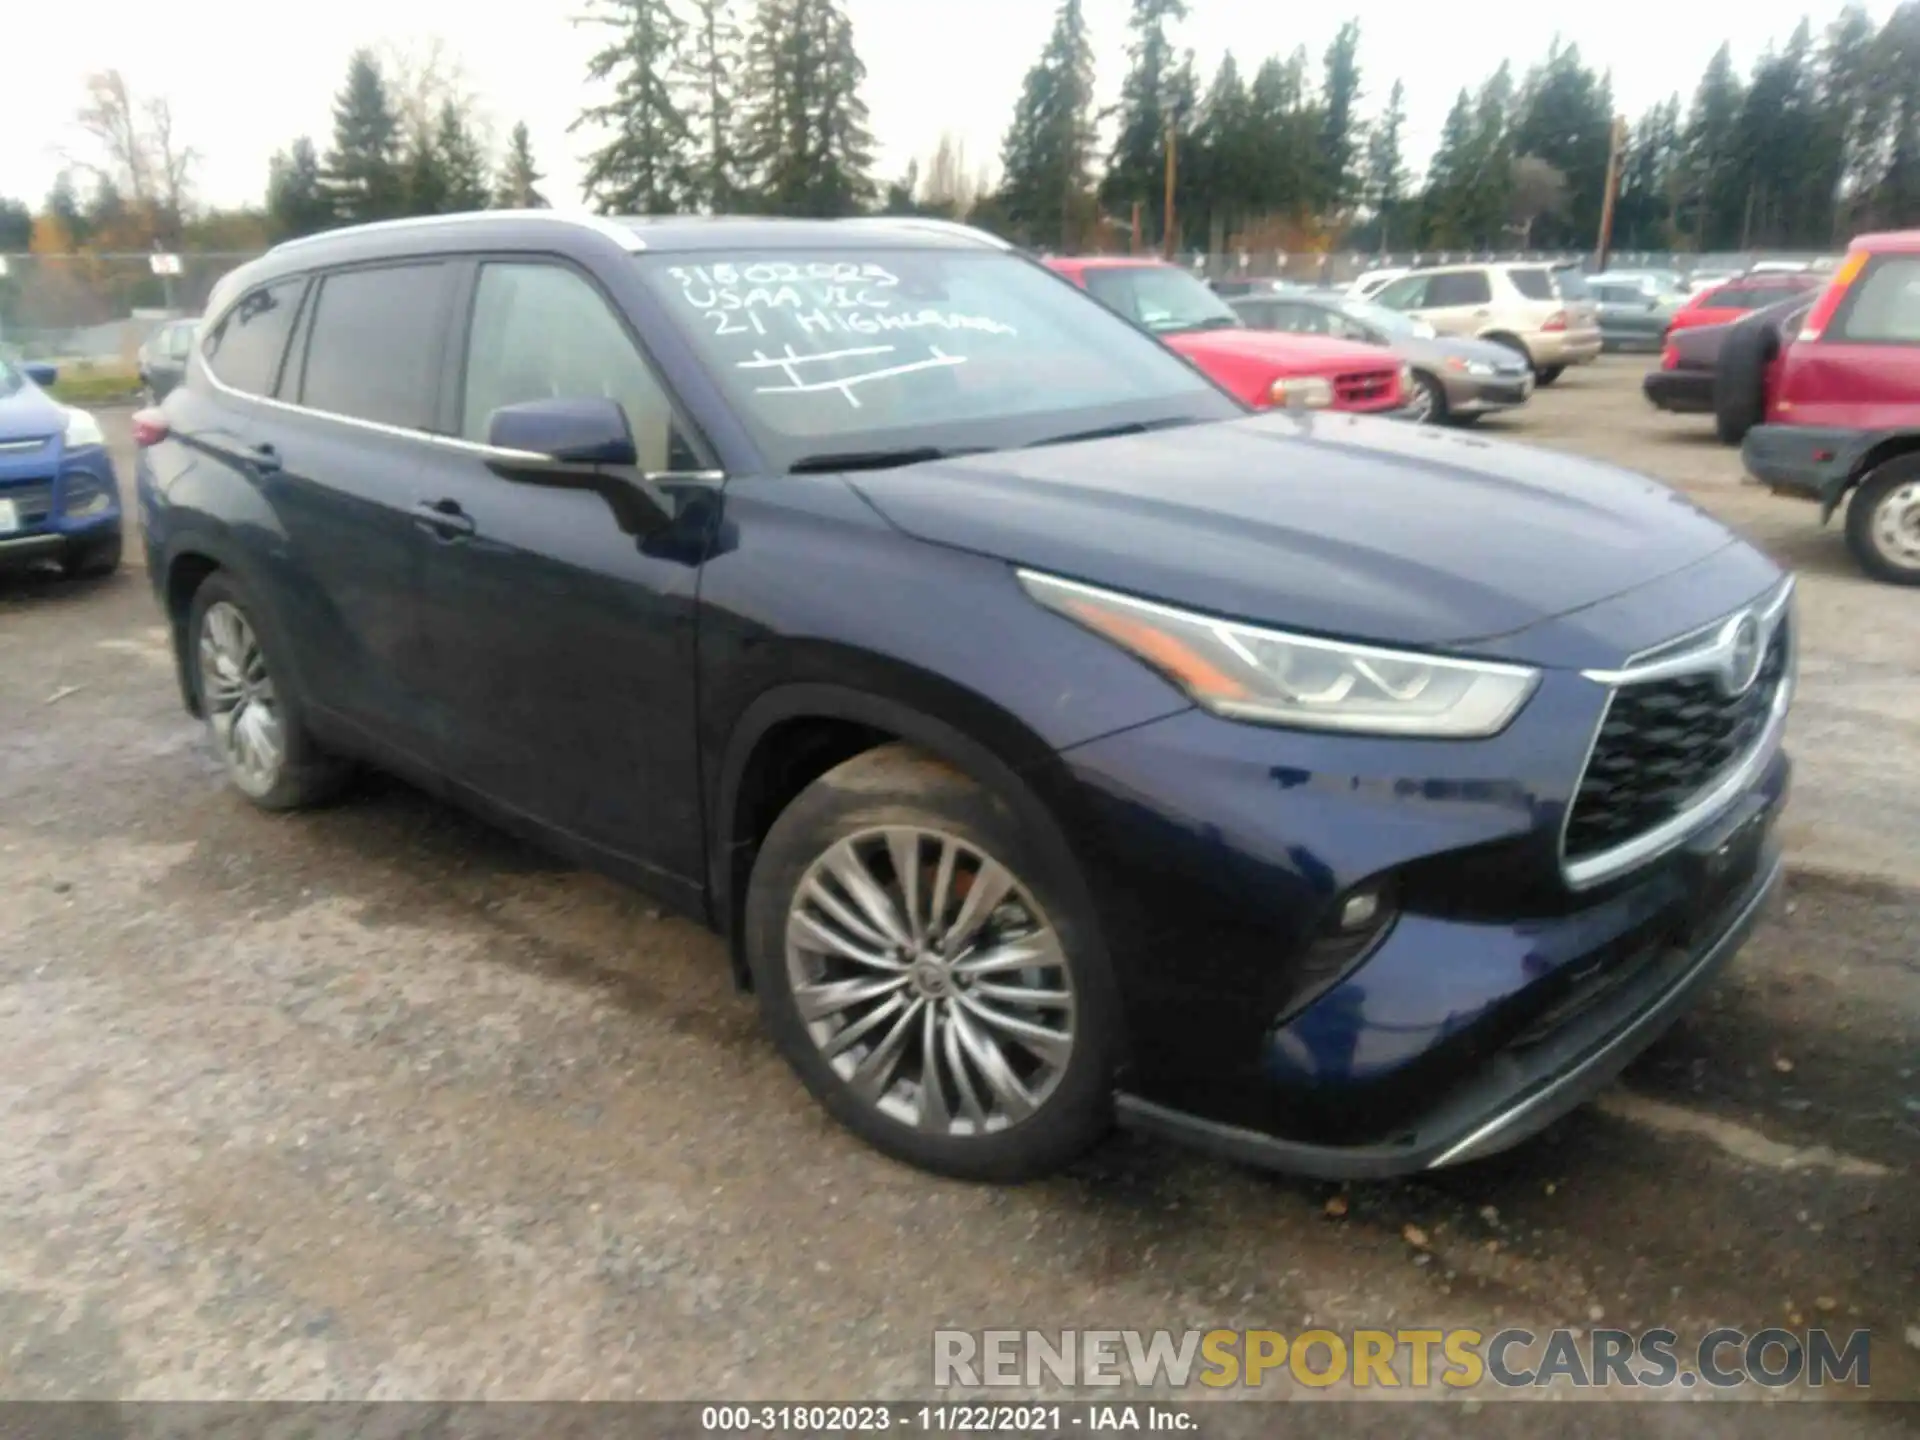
x,y
93,384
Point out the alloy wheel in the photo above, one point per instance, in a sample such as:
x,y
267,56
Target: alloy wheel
x,y
1420,406
242,706
1896,526
931,981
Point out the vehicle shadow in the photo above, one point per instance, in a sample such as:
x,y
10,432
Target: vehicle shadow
x,y
45,585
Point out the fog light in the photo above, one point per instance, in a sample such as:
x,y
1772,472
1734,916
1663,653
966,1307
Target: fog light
x,y
1360,910
92,502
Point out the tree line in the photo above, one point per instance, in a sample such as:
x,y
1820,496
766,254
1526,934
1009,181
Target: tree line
x,y
755,106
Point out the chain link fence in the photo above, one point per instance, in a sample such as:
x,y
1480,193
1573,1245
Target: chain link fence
x,y
1344,267
92,312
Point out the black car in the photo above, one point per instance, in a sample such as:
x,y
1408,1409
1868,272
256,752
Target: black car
x,y
1050,737
163,357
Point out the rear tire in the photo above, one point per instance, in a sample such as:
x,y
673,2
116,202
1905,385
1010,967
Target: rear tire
x,y
1547,374
1883,522
861,931
1739,380
253,712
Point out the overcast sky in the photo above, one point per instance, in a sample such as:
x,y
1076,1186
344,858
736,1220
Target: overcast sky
x,y
245,79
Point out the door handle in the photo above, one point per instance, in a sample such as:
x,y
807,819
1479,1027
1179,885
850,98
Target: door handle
x,y
1481,314
264,458
443,519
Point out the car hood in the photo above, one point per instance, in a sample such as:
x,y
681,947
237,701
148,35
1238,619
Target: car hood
x,y
30,414
1441,348
1330,524
1287,353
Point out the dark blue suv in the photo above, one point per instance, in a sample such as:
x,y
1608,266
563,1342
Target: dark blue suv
x,y
1050,738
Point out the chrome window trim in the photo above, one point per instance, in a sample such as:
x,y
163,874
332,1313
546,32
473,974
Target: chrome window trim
x,y
1701,651
445,442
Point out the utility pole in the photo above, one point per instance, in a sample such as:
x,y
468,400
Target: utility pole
x,y
1614,149
1173,167
1133,243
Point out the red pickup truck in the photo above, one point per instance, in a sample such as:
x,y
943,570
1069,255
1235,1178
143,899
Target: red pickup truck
x,y
1262,367
1843,417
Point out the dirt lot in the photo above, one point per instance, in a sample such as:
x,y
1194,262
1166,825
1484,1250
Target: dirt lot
x,y
372,1103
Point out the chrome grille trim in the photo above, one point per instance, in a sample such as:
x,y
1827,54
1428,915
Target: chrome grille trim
x,y
1702,651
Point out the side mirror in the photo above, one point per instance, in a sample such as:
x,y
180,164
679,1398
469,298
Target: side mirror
x,y
579,444
40,373
586,431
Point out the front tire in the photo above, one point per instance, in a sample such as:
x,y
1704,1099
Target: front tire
x,y
1428,405
1883,522
252,712
932,977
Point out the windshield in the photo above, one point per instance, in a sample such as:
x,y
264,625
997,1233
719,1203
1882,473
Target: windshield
x,y
1379,317
1160,298
858,349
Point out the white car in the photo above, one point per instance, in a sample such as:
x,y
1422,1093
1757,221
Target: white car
x,y
1372,282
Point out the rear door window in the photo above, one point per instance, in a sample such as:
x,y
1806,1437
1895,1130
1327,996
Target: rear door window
x,y
374,348
244,348
1458,287
1884,306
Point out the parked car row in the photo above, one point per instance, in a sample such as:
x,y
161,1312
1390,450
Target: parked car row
x,y
1817,378
1054,737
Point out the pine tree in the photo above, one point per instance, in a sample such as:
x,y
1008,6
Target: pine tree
x,y
1714,191
1895,199
711,76
1136,170
1853,111
297,201
807,147
1648,172
1283,130
1446,203
362,172
646,165
423,178
1564,117
1048,155
463,161
1221,164
518,185
1336,173
1385,169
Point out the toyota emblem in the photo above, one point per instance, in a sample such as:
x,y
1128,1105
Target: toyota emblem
x,y
1743,656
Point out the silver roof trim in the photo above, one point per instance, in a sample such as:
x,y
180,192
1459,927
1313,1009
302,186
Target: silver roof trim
x,y
623,235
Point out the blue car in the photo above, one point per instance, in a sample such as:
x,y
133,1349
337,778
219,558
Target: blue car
x,y
59,498
1052,739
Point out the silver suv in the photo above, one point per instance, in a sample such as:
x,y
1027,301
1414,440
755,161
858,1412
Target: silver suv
x,y
1518,306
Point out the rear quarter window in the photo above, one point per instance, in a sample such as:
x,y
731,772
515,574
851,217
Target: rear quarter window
x,y
374,347
1534,284
243,349
1884,307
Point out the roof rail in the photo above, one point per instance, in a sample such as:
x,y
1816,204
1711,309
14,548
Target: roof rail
x,y
932,224
623,235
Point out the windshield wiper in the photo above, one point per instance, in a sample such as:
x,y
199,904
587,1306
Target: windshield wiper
x,y
1107,432
875,459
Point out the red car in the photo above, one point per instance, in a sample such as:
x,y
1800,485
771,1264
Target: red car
x,y
1844,415
1723,304
1262,367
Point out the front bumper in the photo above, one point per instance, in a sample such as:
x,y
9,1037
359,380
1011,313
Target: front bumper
x,y
1519,1092
1814,462
1679,392
1477,395
1495,999
42,489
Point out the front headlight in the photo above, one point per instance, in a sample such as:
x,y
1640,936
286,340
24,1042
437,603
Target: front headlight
x,y
82,430
1480,368
1312,391
1247,673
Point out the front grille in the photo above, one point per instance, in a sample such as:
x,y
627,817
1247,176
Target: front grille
x,y
32,499
1663,742
1368,387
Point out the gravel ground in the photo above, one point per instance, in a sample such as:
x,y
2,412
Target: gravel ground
x,y
373,1103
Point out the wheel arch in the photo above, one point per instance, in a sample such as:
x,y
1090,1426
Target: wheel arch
x,y
188,564
1886,446
792,734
